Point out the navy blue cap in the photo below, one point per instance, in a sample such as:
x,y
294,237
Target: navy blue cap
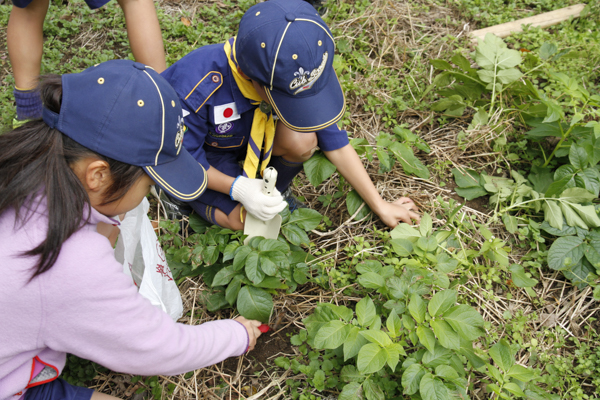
x,y
285,46
126,111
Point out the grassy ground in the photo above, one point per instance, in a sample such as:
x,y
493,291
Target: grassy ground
x,y
384,51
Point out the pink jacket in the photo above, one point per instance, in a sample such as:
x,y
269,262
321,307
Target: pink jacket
x,y
85,305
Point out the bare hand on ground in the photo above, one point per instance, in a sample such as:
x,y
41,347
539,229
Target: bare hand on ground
x,y
401,210
252,328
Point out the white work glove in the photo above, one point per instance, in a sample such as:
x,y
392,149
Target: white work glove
x,y
249,192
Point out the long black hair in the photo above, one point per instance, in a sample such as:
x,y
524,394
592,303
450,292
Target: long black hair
x,y
35,162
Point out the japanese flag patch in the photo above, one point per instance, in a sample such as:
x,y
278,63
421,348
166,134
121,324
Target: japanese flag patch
x,y
225,113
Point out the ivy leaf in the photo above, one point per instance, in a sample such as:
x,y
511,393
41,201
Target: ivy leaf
x,y
417,308
502,355
353,202
351,391
432,388
565,252
465,320
426,337
365,312
318,168
441,302
354,342
254,303
371,358
331,335
379,337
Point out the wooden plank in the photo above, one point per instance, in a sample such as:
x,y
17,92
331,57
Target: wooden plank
x,y
542,20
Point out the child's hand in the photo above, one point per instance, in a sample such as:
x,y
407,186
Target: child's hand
x,y
402,210
252,328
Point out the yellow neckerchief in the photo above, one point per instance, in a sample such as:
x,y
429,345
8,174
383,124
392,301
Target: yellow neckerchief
x,y
263,126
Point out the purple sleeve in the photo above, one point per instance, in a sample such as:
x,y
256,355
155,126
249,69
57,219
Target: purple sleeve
x,y
332,138
95,312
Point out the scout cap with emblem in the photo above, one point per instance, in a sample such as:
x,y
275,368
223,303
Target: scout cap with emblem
x,y
126,111
285,46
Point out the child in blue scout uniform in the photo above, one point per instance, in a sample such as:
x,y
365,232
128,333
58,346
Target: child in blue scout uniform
x,y
25,39
279,63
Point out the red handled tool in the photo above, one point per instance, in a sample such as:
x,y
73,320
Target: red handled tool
x,y
264,328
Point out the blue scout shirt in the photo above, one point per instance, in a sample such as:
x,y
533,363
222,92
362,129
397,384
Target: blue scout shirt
x,y
220,117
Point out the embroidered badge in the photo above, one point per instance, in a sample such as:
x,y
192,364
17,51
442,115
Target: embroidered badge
x,y
305,80
226,113
224,128
181,128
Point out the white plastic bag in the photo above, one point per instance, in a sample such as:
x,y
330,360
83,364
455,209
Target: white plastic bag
x,y
143,259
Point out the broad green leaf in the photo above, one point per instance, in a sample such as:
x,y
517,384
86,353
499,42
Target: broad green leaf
x,y
514,389
465,320
417,308
552,214
587,214
394,324
405,231
385,161
509,75
410,163
342,312
589,179
230,249
371,358
439,356
580,274
319,380
353,202
354,342
519,277
445,334
465,178
411,378
461,61
253,272
545,130
577,195
578,156
441,302
368,266
402,247
240,257
379,337
393,355
510,221
397,287
565,252
371,280
521,373
271,282
432,388
294,234
350,374
351,391
331,335
267,265
223,277
233,289
502,355
318,168
471,193
426,225
372,390
305,218
365,312
254,303
565,231
592,254
216,301
446,372
547,50
428,244
440,64
426,337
